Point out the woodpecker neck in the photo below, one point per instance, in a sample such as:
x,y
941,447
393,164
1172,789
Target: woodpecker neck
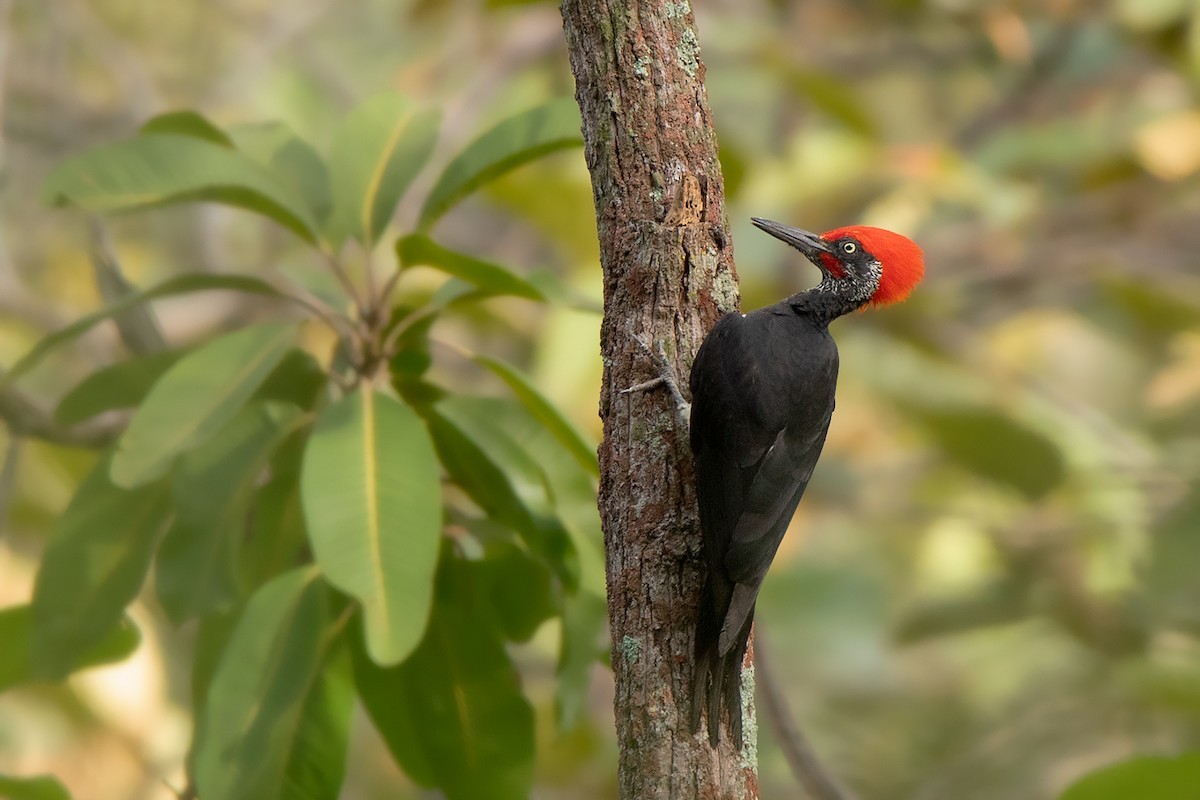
x,y
834,297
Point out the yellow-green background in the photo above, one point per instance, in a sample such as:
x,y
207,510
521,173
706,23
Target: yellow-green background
x,y
993,584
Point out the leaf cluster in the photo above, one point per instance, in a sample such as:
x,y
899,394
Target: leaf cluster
x,y
339,525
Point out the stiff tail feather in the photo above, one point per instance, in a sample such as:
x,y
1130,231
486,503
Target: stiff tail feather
x,y
718,677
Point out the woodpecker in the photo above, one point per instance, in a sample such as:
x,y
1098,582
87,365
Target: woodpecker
x,y
762,388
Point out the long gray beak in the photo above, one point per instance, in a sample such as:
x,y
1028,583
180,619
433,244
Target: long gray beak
x,y
807,243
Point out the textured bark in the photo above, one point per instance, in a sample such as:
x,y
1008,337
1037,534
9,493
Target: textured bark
x,y
668,276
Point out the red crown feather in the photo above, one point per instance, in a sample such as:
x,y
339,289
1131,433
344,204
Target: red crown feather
x,y
903,263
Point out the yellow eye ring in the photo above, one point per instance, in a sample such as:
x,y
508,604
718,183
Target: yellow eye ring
x,y
849,247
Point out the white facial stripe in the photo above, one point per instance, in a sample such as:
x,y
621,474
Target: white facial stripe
x,y
854,287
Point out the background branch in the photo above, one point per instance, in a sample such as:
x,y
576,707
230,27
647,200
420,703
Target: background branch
x,y
806,766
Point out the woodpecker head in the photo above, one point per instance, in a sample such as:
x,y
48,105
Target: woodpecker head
x,y
863,264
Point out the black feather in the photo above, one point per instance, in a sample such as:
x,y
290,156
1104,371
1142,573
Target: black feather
x,y
762,397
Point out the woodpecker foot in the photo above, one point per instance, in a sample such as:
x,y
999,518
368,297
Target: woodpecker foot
x,y
666,377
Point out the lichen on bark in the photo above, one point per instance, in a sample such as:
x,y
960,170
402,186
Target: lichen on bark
x,y
667,260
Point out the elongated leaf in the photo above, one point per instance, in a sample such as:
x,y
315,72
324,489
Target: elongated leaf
x,y
213,486
563,429
511,499
298,380
15,660
213,634
515,141
196,398
120,385
42,787
318,755
371,496
571,487
95,563
278,534
1144,778
519,588
290,159
233,459
583,623
183,284
561,294
186,123
255,703
491,279
157,169
453,714
501,478
376,153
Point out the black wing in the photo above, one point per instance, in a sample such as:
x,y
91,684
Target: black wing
x,y
762,391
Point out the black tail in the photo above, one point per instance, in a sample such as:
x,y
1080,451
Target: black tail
x,y
718,676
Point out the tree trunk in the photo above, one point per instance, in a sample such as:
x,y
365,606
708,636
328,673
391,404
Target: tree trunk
x,y
668,276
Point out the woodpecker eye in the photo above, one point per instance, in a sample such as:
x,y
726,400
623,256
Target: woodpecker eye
x,y
849,247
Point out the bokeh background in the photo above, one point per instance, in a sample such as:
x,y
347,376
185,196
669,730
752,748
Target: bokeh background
x,y
993,584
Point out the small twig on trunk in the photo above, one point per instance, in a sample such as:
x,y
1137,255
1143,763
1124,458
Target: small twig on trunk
x,y
803,760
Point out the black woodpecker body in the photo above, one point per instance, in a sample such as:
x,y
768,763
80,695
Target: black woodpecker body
x,y
762,388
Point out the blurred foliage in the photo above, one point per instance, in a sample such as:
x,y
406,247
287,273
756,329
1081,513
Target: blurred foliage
x,y
1149,777
219,434
990,590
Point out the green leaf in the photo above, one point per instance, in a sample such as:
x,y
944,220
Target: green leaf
x,y
563,429
561,294
278,534
183,284
410,353
515,141
370,490
502,479
186,123
583,623
120,385
571,487
1144,778
158,169
212,487
318,759
290,159
995,446
253,714
212,637
378,150
231,460
15,658
453,714
491,279
196,398
42,787
95,563
519,590
297,380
